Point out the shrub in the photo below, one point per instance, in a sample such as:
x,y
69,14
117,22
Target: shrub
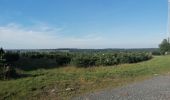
x,y
108,59
37,56
84,61
11,57
157,53
89,59
6,70
62,60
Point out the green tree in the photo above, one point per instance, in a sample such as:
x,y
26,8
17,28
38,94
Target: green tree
x,y
2,60
2,63
6,70
164,46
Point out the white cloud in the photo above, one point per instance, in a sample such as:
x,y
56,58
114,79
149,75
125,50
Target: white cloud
x,y
39,36
43,36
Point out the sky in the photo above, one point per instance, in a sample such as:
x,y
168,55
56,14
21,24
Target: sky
x,y
94,24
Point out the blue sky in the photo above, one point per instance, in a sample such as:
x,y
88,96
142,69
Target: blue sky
x,y
32,24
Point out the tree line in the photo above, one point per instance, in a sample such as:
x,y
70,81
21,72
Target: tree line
x,y
90,59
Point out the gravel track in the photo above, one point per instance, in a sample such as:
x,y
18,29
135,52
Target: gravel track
x,y
157,88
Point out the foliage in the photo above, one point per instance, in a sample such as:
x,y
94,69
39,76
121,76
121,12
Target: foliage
x,y
156,53
88,59
11,57
108,59
62,60
2,60
6,70
35,60
84,60
164,46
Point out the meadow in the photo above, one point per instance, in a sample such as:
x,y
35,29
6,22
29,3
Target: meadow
x,y
63,83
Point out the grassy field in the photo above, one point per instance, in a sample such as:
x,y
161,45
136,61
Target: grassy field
x,y
67,82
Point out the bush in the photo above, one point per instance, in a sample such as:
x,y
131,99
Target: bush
x,y
89,59
156,53
7,72
84,61
11,57
62,60
37,56
108,59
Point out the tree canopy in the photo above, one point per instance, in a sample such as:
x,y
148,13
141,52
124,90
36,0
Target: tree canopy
x,y
164,46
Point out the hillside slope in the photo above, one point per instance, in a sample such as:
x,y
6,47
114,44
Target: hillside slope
x,y
67,82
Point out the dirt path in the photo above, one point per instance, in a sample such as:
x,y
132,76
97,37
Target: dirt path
x,y
157,88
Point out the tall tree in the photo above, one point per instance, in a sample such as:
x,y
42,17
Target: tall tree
x,y
6,70
164,46
2,60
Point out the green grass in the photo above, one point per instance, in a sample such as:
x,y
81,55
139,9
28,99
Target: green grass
x,y
55,83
